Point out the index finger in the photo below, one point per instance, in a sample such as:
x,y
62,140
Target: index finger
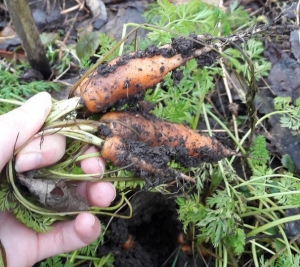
x,y
19,125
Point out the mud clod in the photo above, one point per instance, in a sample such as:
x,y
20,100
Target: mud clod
x,y
206,60
177,76
152,51
157,157
105,69
183,46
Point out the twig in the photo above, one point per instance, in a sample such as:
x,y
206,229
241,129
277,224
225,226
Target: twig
x,y
70,29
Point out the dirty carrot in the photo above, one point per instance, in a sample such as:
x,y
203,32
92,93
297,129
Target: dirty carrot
x,y
132,74
189,147
139,74
140,158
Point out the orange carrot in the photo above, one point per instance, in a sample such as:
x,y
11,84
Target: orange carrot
x,y
126,77
189,147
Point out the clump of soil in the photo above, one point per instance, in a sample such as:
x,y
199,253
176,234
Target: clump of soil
x,y
156,158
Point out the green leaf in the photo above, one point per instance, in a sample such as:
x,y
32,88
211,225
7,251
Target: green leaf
x,y
259,152
35,221
48,38
236,241
288,163
87,44
55,261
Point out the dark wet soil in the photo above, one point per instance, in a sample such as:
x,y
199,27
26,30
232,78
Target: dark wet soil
x,y
154,229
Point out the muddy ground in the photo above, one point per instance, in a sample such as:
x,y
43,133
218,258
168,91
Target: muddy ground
x,y
153,236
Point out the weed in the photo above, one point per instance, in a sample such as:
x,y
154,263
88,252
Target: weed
x,y
13,88
290,113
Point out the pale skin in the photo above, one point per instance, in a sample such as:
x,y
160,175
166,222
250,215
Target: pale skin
x,y
23,246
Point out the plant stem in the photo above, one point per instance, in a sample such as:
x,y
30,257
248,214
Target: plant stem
x,y
273,224
199,108
25,27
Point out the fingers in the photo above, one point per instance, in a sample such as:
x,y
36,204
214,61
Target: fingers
x,y
68,236
93,165
99,194
38,154
25,121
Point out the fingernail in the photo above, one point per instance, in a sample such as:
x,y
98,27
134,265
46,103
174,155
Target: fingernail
x,y
100,163
90,220
28,162
114,189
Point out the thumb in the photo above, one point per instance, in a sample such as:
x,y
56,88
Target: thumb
x,y
68,236
24,121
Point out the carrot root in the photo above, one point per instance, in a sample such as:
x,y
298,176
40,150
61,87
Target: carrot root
x,y
142,159
129,75
186,146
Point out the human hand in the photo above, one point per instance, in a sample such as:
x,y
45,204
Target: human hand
x,y
23,246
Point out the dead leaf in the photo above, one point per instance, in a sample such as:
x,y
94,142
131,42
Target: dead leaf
x,y
56,195
295,44
284,77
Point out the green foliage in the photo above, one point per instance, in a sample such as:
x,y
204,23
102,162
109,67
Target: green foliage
x,y
48,38
192,17
259,155
183,101
179,103
253,50
106,44
214,216
291,113
236,17
60,59
13,88
236,242
107,261
222,222
287,162
286,185
282,103
195,16
262,179
55,261
87,44
283,260
93,43
190,210
123,185
217,222
89,252
35,221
